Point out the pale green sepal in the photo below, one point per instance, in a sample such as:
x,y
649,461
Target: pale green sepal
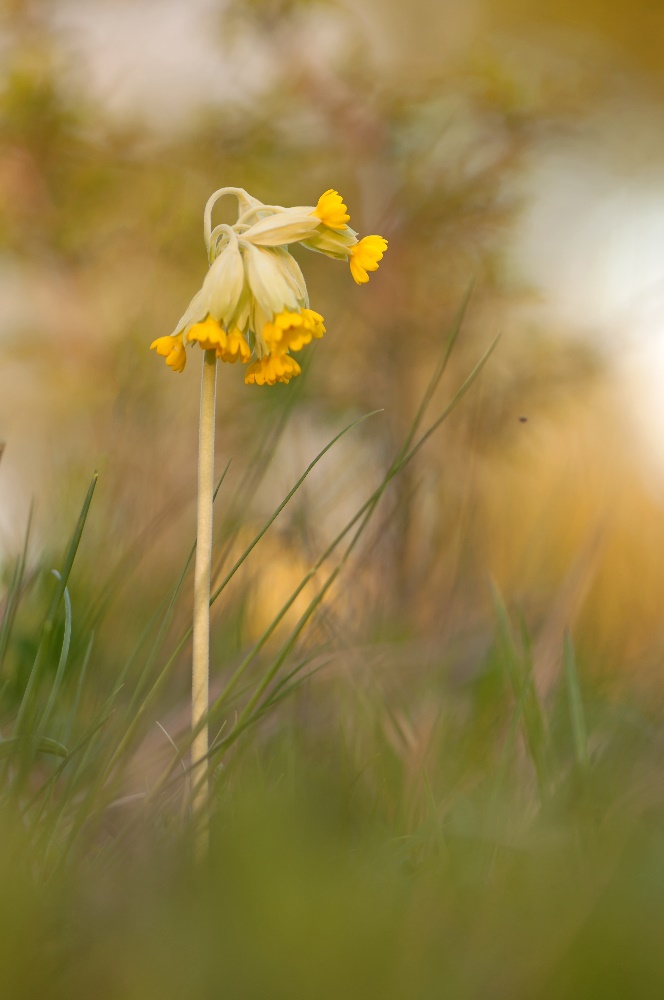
x,y
195,312
331,242
223,284
271,289
293,274
281,229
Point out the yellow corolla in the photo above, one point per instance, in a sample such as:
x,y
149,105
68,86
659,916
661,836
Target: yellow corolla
x,y
331,210
290,331
230,346
173,350
271,369
364,256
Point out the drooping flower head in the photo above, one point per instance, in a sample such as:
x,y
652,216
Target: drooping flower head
x,y
253,303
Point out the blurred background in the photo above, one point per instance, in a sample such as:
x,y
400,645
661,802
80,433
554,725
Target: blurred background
x,y
513,146
516,146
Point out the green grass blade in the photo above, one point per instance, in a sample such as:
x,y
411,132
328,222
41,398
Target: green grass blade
x,y
289,496
438,372
456,398
79,688
255,470
280,692
62,662
40,744
576,709
518,666
29,694
14,592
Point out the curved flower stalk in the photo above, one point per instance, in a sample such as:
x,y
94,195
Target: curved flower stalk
x,y
253,305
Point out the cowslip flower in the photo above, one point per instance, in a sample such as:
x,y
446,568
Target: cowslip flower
x,y
253,305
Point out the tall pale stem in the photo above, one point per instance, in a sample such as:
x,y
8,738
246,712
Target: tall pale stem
x,y
201,641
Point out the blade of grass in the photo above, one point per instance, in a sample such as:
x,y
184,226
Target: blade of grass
x,y
14,593
39,744
85,741
518,667
62,662
26,705
289,496
130,559
438,372
576,709
533,712
79,688
255,470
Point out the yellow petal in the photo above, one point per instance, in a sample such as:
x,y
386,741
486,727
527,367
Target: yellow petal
x,y
331,210
290,331
364,256
208,334
271,369
173,350
236,349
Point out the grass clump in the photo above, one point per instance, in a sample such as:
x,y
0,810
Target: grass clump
x,y
384,819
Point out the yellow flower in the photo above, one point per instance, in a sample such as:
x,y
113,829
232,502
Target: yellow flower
x,y
290,331
173,350
254,298
278,226
230,347
331,210
364,256
237,349
271,369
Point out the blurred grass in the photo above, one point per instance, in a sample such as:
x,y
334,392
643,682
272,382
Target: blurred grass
x,y
379,838
437,757
408,821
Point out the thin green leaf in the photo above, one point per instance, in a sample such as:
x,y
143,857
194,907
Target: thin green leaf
x,y
438,372
518,666
576,709
40,744
289,496
79,687
62,662
14,593
49,624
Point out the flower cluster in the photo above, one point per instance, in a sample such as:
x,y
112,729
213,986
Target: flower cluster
x,y
253,302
